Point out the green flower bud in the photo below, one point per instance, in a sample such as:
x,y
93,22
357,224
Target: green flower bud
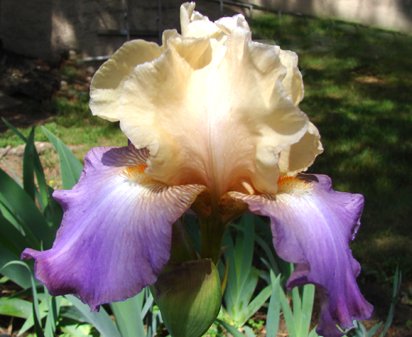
x,y
189,297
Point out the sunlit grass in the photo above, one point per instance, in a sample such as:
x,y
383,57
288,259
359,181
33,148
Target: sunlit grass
x,y
74,124
358,92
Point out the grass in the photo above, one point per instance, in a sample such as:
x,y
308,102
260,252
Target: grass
x,y
357,91
73,122
358,85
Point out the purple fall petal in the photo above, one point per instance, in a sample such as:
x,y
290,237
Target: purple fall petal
x,y
115,235
312,226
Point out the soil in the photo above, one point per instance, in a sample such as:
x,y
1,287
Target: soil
x,y
26,88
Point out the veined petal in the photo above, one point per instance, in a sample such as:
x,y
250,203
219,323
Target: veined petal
x,y
115,235
312,226
240,96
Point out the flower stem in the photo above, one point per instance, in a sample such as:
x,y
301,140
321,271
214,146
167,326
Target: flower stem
x,y
211,232
182,248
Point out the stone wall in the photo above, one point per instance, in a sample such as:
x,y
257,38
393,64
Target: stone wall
x,y
47,28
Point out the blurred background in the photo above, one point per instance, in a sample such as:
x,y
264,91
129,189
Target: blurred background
x,y
49,28
356,61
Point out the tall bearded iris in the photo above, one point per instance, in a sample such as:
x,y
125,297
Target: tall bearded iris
x,y
214,126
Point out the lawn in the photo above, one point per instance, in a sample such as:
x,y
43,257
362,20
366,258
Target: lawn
x,y
69,114
358,83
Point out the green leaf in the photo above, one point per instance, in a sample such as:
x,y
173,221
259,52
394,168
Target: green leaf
x,y
15,307
38,169
258,302
248,332
70,166
288,315
100,320
148,304
45,191
52,315
245,248
247,289
37,322
313,333
11,238
372,331
396,286
19,209
307,308
231,329
36,312
273,314
28,166
297,309
243,278
269,254
70,312
77,330
12,242
13,271
29,323
53,211
128,316
14,129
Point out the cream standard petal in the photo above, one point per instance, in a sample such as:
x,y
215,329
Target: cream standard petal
x,y
194,24
213,111
292,82
109,79
299,156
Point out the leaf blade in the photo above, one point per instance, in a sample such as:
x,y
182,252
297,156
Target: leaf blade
x,y
100,320
129,316
70,166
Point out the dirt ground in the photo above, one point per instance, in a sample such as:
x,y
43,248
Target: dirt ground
x,y
11,161
26,88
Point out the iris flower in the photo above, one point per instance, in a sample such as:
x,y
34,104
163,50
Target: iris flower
x,y
215,128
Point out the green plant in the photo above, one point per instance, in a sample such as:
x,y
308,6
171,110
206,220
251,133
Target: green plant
x,y
29,217
381,328
240,301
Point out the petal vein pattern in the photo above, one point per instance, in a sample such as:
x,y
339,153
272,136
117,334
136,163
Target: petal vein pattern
x,y
115,235
312,226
